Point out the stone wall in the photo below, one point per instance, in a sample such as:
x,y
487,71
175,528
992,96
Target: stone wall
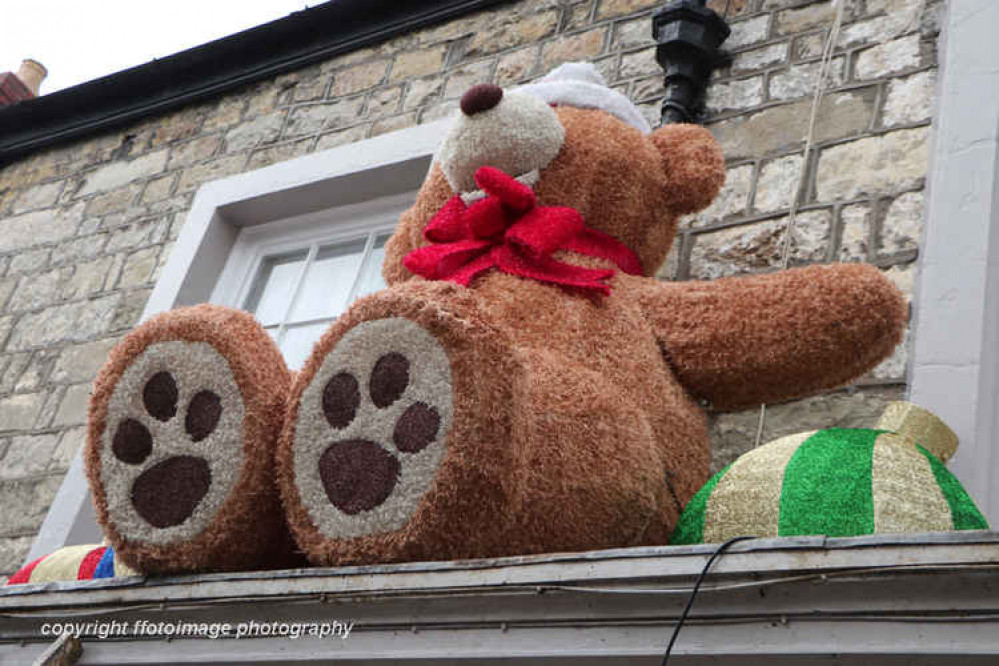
x,y
85,228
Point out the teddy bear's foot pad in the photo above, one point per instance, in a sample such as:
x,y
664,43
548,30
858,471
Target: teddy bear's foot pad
x,y
371,427
172,456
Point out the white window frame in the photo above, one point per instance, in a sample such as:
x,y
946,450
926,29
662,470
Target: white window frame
x,y
954,369
359,177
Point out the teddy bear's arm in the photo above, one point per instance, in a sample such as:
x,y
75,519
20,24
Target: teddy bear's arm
x,y
738,342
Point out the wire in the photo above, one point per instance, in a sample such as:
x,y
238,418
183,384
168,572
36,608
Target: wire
x,y
693,594
820,89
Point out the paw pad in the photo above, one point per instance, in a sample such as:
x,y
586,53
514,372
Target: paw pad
x,y
384,393
173,441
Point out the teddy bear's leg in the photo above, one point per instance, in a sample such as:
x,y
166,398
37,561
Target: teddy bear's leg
x,y
590,471
184,419
395,444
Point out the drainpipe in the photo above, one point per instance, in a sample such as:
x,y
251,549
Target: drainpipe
x,y
687,36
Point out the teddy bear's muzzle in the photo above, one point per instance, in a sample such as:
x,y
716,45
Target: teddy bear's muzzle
x,y
514,132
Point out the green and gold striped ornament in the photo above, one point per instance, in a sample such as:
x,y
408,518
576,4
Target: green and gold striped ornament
x,y
838,482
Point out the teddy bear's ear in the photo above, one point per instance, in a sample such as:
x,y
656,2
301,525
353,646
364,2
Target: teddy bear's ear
x,y
693,163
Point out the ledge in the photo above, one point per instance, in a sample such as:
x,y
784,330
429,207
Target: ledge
x,y
912,599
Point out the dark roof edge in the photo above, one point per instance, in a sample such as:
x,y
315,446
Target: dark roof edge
x,y
298,40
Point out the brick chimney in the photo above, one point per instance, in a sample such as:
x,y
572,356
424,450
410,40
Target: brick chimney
x,y
23,85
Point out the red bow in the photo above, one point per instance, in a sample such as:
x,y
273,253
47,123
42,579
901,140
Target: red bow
x,y
509,231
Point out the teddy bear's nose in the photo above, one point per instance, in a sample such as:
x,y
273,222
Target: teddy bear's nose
x,y
479,98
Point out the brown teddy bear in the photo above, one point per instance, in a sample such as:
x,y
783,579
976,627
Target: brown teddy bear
x,y
523,385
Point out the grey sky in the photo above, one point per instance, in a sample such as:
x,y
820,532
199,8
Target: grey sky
x,y
80,40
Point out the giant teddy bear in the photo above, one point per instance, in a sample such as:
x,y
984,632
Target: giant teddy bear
x,y
523,385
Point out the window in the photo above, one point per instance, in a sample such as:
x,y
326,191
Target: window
x,y
297,276
286,228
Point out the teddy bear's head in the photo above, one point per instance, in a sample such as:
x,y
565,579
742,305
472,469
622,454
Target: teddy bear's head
x,y
578,144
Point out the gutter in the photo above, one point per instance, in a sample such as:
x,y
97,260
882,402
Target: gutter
x,y
303,38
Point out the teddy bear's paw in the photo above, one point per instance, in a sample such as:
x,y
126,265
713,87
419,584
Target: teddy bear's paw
x,y
371,427
174,445
181,446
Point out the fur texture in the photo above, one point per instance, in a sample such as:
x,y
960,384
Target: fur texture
x,y
246,530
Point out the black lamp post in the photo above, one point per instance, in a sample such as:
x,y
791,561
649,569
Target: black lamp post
x,y
687,35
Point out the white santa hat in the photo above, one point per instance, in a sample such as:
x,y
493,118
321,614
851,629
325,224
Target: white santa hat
x,y
579,84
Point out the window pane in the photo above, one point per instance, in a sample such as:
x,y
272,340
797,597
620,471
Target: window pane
x,y
372,280
328,281
298,342
273,286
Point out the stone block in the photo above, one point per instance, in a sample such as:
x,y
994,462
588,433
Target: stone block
x,y
733,95
730,202
632,34
29,262
39,290
910,100
254,133
88,279
799,19
28,455
71,321
800,80
36,374
71,441
30,229
113,201
855,232
893,367
37,197
359,77
7,286
639,63
194,176
228,112
13,552
117,174
158,189
889,58
278,153
782,128
467,76
383,102
515,66
193,151
440,110
611,8
129,309
748,32
73,407
18,412
16,363
179,125
418,63
649,89
80,363
758,247
32,498
341,137
580,46
138,268
135,234
760,58
902,227
393,123
777,184
873,165
508,30
734,433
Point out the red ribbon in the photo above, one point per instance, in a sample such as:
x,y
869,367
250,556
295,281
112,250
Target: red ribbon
x,y
507,230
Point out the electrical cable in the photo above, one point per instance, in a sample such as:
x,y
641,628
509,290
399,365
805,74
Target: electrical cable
x,y
693,594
